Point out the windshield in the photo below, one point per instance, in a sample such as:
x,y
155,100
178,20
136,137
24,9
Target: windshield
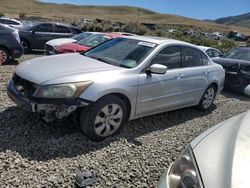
x,y
93,40
237,53
81,36
122,52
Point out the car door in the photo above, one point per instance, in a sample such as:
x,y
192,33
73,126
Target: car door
x,y
61,32
41,34
194,75
160,92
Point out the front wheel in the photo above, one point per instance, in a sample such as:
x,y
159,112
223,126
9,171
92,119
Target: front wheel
x,y
207,98
103,118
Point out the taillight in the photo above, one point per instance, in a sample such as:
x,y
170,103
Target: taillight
x,y
16,36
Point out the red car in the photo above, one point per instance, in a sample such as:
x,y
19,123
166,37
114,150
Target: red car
x,y
86,43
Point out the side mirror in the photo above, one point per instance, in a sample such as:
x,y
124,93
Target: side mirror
x,y
158,69
33,32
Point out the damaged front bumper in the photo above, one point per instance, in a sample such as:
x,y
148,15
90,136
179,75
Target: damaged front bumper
x,y
48,109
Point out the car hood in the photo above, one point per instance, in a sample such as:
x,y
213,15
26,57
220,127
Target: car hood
x,y
57,42
71,47
41,70
222,153
227,62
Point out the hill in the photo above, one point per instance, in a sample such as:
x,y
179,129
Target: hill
x,y
117,13
240,20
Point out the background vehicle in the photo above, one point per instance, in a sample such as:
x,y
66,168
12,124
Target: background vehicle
x,y
11,22
52,44
10,45
217,36
35,35
237,36
217,158
86,43
237,67
211,52
122,79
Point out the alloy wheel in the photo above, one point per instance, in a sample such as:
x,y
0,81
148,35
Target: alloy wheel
x,y
208,98
3,57
108,120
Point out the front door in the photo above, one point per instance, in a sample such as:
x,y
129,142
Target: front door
x,y
160,92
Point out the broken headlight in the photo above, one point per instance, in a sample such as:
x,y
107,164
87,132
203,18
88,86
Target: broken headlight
x,y
68,90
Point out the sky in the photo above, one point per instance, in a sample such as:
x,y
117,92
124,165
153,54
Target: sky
x,y
199,9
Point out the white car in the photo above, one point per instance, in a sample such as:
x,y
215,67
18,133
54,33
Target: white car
x,y
218,158
52,44
11,22
211,52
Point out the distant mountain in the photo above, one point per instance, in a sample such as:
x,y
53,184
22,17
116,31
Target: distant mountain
x,y
241,20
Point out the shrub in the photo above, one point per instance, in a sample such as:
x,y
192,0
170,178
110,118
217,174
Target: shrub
x,y
1,14
22,15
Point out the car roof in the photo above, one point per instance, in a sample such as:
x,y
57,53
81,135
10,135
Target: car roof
x,y
243,47
205,48
6,28
158,40
34,23
11,19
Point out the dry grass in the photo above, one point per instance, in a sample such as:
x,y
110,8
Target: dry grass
x,y
121,13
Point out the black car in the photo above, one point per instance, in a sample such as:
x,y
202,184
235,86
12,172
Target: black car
x,y
10,44
237,36
35,35
237,67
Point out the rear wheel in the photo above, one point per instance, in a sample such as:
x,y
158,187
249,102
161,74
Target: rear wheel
x,y
207,98
104,118
26,46
4,56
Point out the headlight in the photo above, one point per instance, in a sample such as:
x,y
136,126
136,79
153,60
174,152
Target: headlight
x,y
69,90
184,172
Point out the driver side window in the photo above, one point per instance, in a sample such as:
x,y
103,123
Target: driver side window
x,y
170,57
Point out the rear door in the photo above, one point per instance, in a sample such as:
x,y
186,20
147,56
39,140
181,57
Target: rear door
x,y
195,74
61,32
41,34
160,92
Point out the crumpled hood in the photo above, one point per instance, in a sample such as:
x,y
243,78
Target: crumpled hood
x,y
227,62
57,42
40,70
223,153
71,47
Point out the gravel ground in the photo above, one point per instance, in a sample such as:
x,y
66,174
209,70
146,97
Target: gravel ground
x,y
33,154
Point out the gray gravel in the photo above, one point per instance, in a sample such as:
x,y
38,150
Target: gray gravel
x,y
33,154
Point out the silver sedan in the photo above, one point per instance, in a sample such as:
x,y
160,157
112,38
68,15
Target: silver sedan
x,y
123,79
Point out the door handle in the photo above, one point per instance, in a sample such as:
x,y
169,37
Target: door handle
x,y
206,71
179,76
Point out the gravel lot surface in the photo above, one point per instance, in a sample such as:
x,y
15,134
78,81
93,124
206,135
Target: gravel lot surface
x,y
33,154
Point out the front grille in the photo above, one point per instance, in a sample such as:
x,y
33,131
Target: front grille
x,y
25,87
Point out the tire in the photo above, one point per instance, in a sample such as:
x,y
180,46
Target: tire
x,y
104,118
207,98
4,56
26,46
